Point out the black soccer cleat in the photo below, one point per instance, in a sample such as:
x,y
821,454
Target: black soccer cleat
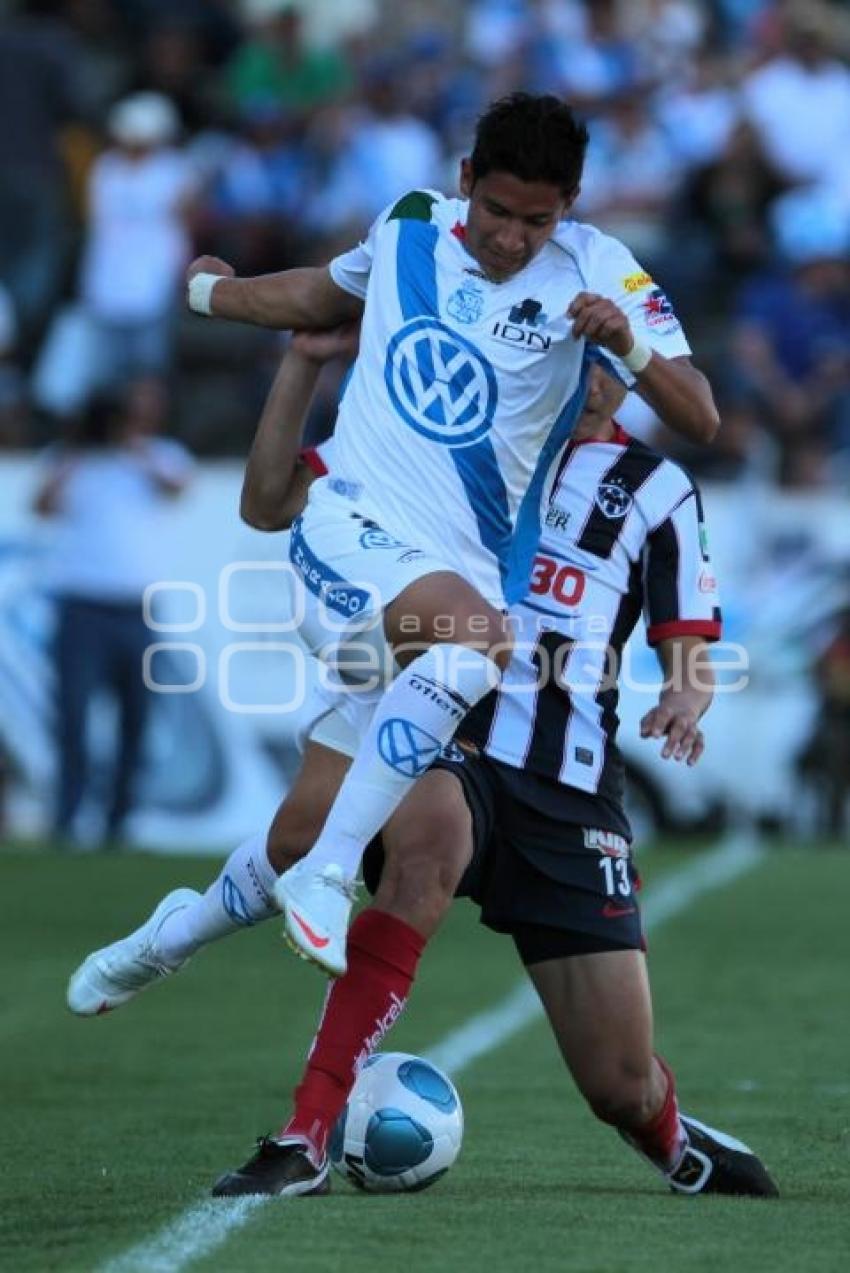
x,y
279,1169
713,1162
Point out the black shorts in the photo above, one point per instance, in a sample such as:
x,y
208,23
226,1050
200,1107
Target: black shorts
x,y
558,887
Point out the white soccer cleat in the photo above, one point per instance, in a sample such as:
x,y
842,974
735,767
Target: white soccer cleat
x,y
114,975
316,906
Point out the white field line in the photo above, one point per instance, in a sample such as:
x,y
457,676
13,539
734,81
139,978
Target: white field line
x,y
208,1224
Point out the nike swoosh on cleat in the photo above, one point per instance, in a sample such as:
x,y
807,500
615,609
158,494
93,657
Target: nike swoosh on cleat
x,y
313,938
610,911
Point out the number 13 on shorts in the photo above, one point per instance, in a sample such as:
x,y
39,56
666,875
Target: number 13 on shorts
x,y
617,879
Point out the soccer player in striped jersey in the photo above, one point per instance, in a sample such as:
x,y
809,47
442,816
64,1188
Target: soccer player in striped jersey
x,y
480,318
539,763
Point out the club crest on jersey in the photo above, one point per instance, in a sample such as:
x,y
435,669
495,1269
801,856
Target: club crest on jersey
x,y
376,538
467,303
613,500
440,383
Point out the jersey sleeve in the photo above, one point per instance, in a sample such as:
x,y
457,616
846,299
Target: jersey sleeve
x,y
680,589
351,270
614,272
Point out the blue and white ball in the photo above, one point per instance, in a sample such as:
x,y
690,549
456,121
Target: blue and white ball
x,y
402,1127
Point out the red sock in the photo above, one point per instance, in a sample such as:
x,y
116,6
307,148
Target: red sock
x,y
661,1139
360,1008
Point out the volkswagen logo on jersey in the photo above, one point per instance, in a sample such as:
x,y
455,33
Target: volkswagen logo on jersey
x,y
440,384
613,500
407,748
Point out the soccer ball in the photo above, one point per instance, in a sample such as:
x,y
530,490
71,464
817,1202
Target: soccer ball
x,y
402,1127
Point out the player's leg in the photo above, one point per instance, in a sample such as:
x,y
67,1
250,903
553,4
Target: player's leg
x,y
600,1010
452,647
427,846
239,897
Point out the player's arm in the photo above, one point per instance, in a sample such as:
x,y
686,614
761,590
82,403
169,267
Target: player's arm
x,y
275,485
676,390
685,698
302,298
682,611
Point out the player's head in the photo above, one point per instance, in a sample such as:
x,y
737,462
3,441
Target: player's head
x,y
605,393
521,178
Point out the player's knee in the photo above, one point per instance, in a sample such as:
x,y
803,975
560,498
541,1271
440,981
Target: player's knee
x,y
621,1096
424,866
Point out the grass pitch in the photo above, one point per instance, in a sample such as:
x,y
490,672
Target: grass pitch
x,y
115,1126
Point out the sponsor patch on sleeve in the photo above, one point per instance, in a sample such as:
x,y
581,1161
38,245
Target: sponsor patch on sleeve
x,y
658,313
636,282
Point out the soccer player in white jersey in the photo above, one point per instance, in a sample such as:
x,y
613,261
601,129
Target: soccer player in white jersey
x,y
558,877
478,316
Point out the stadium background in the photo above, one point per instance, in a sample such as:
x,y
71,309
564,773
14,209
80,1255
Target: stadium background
x,y
720,151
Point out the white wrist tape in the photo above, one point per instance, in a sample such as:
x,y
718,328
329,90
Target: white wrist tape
x,y
200,292
637,358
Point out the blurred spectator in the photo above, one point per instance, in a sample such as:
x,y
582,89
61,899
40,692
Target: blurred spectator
x,y
39,60
105,490
137,244
585,54
275,65
792,342
630,177
729,200
381,151
327,22
13,397
700,111
261,193
826,759
799,102
667,35
173,62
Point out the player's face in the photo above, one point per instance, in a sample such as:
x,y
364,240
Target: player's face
x,y
604,395
509,220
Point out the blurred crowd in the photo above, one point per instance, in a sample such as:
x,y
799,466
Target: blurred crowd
x,y
271,132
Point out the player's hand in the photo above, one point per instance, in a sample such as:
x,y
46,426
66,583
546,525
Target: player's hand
x,y
676,720
601,322
331,342
209,265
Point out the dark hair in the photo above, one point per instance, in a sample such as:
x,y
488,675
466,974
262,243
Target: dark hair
x,y
535,137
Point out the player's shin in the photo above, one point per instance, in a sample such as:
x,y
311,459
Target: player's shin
x,y
415,718
361,1007
239,897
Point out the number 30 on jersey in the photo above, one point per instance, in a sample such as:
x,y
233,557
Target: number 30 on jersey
x,y
565,584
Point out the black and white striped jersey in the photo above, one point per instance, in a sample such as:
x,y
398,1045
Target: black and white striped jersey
x,y
623,533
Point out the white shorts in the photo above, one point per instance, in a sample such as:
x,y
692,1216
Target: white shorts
x,y
337,732
351,570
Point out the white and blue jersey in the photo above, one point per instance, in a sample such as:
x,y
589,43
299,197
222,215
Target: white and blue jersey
x,y
465,390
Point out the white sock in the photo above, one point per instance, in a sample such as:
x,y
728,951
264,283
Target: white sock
x,y
415,718
238,898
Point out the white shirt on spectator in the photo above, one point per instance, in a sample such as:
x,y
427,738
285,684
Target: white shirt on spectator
x,y
802,116
109,538
137,244
384,158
